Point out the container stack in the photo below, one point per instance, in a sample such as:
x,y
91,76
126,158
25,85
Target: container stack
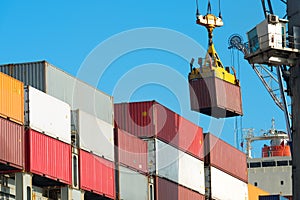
x,y
12,138
66,164
95,144
131,166
48,138
226,163
175,150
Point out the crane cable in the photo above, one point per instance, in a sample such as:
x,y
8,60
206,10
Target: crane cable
x,y
208,7
197,6
220,13
238,122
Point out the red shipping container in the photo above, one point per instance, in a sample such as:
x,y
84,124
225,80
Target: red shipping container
x,y
132,151
96,174
225,157
167,190
151,119
48,157
12,144
215,97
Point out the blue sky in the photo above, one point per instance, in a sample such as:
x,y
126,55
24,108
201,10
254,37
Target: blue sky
x,y
66,32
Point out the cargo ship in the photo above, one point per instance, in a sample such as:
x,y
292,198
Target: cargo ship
x,y
272,171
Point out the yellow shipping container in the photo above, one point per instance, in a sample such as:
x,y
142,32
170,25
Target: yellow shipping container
x,y
11,98
255,192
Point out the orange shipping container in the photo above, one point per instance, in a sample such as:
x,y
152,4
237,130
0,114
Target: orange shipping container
x,y
255,192
11,99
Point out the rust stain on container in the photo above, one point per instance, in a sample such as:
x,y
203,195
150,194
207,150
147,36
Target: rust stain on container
x,y
11,98
225,157
96,174
215,97
167,190
12,144
48,157
151,119
132,151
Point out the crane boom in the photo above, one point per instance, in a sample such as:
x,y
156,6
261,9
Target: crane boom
x,y
269,80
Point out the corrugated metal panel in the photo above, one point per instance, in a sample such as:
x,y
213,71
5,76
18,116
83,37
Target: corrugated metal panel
x,y
95,135
96,174
254,192
31,73
12,144
133,185
189,138
79,94
11,98
215,97
272,197
167,190
53,81
151,119
48,157
47,114
229,188
133,152
225,157
135,118
179,167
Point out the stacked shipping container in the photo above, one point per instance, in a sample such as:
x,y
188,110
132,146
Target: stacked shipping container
x,y
175,147
96,155
49,118
91,131
152,120
226,163
131,166
96,174
48,138
57,83
12,141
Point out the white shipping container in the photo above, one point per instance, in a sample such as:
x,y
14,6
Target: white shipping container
x,y
57,83
95,135
47,114
133,185
226,187
168,162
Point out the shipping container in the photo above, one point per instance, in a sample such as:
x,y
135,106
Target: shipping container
x,y
48,157
11,99
167,190
272,197
255,192
225,157
215,97
222,186
95,135
57,83
96,174
47,114
151,119
133,185
12,145
168,162
132,151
